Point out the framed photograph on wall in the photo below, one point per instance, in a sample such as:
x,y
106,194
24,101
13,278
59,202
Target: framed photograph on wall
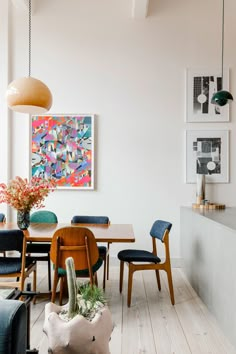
x,y
200,87
63,148
207,152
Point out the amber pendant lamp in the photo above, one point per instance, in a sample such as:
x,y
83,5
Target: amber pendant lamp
x,y
27,94
220,98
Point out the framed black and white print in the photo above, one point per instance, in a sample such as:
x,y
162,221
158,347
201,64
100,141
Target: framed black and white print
x,y
201,85
207,152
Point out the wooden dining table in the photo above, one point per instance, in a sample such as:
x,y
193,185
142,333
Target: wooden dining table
x,y
39,232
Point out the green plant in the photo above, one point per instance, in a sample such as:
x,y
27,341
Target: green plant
x,y
91,293
89,300
72,287
84,299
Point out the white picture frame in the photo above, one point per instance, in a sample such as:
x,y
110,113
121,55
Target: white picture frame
x,y
207,152
62,148
201,84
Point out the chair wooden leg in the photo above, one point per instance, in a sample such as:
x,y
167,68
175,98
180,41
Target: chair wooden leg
x,y
34,280
158,279
54,287
130,283
104,272
34,284
108,259
22,281
121,275
49,273
169,276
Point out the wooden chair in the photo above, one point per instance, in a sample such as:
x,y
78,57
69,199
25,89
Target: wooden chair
x,y
3,219
18,266
42,249
145,260
80,244
103,251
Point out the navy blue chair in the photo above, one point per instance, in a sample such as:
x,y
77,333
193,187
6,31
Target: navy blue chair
x,y
103,251
36,249
145,260
17,266
2,219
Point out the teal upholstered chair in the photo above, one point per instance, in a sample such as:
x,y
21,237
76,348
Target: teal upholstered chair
x,y
145,260
14,329
36,249
103,251
44,217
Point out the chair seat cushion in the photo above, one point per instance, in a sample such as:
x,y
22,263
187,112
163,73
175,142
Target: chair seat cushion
x,y
102,251
84,272
40,247
10,265
138,256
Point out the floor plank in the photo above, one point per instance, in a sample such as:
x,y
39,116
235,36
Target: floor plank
x,y
115,303
198,332
151,325
137,333
169,335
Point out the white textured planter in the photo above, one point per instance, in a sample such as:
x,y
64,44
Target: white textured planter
x,y
77,336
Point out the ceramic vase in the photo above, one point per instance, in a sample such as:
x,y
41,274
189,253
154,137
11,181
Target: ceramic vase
x,y
23,219
77,336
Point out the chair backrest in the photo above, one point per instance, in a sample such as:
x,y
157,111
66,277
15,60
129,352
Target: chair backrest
x,y
90,219
2,217
76,242
44,217
11,240
159,229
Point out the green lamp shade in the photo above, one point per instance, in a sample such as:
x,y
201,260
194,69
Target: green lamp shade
x,y
220,98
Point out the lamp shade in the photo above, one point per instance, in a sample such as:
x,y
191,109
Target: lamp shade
x,y
28,95
220,98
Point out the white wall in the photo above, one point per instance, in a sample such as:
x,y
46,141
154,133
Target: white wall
x,y
130,73
4,118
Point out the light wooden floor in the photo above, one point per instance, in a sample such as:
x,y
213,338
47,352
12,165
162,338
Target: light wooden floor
x,y
151,325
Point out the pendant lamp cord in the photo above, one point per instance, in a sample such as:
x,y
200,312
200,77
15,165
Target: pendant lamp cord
x,y
29,38
222,45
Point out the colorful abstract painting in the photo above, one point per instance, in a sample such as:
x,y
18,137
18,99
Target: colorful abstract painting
x,y
62,148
